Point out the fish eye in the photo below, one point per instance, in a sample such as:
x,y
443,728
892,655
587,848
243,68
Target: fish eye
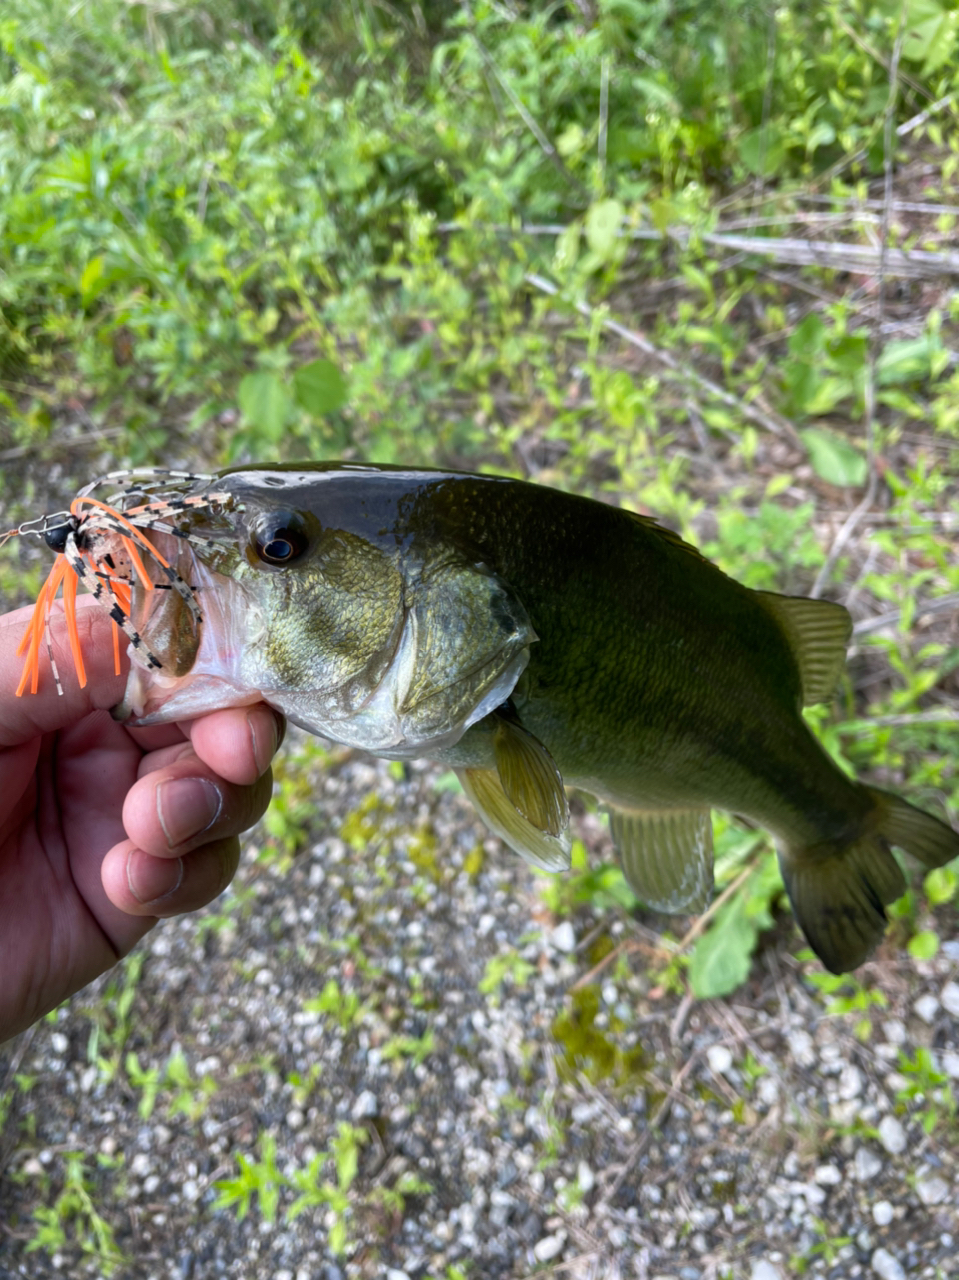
x,y
280,539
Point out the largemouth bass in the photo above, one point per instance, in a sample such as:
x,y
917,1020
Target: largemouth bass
x,y
532,640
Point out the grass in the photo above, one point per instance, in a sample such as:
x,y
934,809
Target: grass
x,y
616,247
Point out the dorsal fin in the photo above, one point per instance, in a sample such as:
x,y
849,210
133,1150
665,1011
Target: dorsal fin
x,y
818,632
668,535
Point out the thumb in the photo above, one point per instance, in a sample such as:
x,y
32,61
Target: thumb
x,y
25,717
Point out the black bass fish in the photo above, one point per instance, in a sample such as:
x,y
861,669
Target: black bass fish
x,y
532,640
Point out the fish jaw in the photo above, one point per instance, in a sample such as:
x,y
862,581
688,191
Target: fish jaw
x,y
203,667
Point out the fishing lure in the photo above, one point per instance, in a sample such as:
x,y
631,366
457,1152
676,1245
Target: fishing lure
x,y
102,544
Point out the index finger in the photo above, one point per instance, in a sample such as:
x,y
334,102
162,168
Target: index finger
x,y
45,711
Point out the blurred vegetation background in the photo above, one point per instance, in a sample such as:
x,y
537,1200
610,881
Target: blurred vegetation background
x,y
700,258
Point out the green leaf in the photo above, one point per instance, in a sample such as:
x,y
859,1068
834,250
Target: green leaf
x,y
908,360
571,141
930,34
834,459
722,956
923,946
567,248
603,222
808,337
762,150
940,885
91,281
821,135
320,387
265,403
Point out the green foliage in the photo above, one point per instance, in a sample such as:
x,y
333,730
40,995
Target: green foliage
x,y
344,1007
927,1090
593,1044
509,967
416,1048
722,956
847,996
73,1218
112,1017
258,1180
338,1198
834,459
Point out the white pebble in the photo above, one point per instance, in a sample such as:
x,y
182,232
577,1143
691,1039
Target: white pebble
x,y
932,1189
802,1048
562,938
394,1274
763,1270
886,1266
294,1119
827,1175
549,1247
892,1135
720,1058
882,1213
926,1007
585,1177
850,1082
949,997
59,1043
366,1105
767,1090
867,1164
895,1031
950,1064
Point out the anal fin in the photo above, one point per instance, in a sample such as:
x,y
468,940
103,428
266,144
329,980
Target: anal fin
x,y
485,790
666,856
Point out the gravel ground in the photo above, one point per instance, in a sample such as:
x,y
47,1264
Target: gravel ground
x,y
614,1128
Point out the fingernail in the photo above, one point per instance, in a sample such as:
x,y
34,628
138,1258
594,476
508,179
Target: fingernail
x,y
150,879
263,752
187,806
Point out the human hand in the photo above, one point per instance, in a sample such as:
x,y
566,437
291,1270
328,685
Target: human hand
x,y
105,829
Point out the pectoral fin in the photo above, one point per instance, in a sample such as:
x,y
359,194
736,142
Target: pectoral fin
x,y
666,856
485,790
530,779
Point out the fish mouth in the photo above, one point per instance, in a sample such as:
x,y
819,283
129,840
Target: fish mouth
x,y
199,649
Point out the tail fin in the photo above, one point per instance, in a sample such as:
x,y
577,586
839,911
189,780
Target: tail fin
x,y
839,895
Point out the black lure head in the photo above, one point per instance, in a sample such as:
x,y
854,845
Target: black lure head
x,y
56,536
